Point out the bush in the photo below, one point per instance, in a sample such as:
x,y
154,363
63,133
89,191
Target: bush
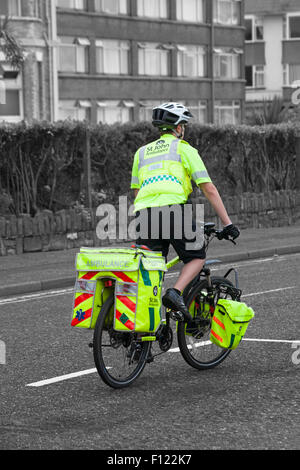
x,y
41,166
270,112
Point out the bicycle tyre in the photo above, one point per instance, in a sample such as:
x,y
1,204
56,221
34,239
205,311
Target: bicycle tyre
x,y
189,345
108,343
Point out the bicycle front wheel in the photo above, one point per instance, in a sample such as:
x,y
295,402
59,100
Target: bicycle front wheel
x,y
193,339
119,356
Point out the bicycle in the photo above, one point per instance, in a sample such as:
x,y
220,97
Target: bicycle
x,y
120,357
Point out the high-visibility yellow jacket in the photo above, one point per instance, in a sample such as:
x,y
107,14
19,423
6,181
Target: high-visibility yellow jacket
x,y
162,171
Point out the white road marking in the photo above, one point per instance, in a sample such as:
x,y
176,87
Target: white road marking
x,y
60,378
273,340
268,291
26,298
54,293
218,266
35,296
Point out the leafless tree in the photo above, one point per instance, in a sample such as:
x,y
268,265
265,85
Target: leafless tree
x,y
9,45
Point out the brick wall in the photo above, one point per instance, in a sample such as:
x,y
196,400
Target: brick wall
x,y
68,229
263,210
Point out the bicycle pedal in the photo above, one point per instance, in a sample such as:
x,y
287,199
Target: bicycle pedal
x,y
176,316
150,359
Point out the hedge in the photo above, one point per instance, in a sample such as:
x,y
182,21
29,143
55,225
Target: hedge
x,y
41,165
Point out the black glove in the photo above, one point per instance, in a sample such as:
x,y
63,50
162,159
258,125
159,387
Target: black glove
x,y
230,231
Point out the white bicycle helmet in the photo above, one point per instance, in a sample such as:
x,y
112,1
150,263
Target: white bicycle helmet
x,y
169,115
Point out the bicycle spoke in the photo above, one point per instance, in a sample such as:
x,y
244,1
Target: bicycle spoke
x,y
119,357
193,339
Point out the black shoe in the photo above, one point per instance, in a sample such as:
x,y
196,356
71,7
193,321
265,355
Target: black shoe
x,y
173,300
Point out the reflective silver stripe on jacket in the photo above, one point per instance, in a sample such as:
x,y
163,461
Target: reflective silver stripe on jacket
x,y
200,174
135,180
172,155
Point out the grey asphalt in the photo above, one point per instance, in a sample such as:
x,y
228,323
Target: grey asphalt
x,y
33,272
250,401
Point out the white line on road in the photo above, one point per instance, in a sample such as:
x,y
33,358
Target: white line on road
x,y
60,378
269,291
26,298
241,264
35,296
53,293
206,343
291,341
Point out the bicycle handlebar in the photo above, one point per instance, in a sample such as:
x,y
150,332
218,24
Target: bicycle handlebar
x,y
209,230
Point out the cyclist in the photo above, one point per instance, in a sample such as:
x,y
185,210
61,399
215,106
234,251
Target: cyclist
x,y
161,177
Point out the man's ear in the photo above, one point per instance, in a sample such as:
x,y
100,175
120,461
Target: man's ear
x,y
179,129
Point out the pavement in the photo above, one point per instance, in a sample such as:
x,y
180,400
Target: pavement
x,y
34,272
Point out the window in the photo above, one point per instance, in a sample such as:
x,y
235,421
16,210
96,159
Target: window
x,y
153,9
227,12
154,59
191,61
291,74
112,56
254,29
294,73
72,4
11,108
73,55
14,8
190,10
255,76
112,111
146,107
74,110
259,76
227,63
12,105
227,112
294,26
198,110
249,29
114,7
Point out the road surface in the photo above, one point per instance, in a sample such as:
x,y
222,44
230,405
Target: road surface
x,y
52,398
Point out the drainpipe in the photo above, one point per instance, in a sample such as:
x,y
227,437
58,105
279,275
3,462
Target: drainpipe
x,y
212,45
50,39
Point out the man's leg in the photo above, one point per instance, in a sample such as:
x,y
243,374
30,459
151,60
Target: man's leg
x,y
193,263
188,272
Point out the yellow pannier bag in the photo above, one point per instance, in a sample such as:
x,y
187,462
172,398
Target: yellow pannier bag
x,y
134,275
229,323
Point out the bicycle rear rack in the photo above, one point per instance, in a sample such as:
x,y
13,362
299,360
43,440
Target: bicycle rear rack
x,y
235,276
234,292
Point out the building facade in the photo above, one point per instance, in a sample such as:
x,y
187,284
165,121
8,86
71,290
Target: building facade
x,y
272,49
113,60
29,93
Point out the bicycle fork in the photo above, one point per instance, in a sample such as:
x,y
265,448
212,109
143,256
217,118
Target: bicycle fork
x,y
210,290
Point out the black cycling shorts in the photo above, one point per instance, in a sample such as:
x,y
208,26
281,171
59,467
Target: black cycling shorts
x,y
159,228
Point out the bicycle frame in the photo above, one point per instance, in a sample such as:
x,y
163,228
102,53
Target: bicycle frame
x,y
120,357
208,231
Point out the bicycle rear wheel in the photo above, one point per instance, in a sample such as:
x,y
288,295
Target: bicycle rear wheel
x,y
193,339
119,356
